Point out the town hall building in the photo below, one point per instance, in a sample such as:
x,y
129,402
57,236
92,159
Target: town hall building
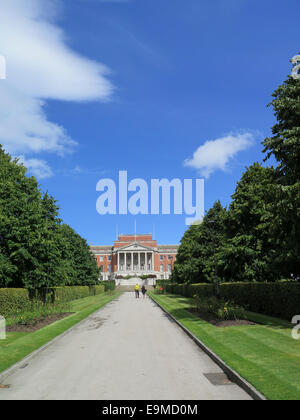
x,y
134,256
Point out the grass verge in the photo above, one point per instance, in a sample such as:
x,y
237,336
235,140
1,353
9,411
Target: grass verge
x,y
265,355
19,345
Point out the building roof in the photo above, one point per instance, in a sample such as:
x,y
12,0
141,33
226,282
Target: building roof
x,y
126,240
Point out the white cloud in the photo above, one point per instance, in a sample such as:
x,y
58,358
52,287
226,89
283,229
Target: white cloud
x,y
41,66
215,154
37,167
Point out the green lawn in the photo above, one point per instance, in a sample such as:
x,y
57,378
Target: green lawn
x,y
265,355
19,345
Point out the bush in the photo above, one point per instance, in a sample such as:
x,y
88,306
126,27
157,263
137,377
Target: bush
x,y
20,301
14,301
219,308
99,289
281,299
37,312
162,283
68,293
109,285
189,290
159,290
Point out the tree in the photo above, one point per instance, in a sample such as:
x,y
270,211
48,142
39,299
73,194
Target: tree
x,y
20,217
78,265
36,250
249,250
195,261
284,145
46,251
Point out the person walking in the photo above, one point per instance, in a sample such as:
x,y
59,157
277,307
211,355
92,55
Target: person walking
x,y
137,291
144,290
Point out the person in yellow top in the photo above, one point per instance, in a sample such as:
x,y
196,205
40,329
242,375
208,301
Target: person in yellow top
x,y
137,290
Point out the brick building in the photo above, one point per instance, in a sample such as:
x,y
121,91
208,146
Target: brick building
x,y
135,255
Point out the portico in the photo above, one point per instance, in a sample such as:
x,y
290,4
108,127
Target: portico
x,y
135,259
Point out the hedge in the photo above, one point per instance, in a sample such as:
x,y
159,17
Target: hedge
x,y
162,283
189,290
13,301
99,289
109,285
68,293
281,299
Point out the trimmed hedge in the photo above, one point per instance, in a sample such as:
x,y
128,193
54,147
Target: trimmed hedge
x,y
281,299
99,289
68,293
162,283
109,285
13,301
189,290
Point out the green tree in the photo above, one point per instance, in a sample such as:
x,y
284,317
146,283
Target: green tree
x,y
78,265
46,251
20,218
196,258
36,250
284,145
249,249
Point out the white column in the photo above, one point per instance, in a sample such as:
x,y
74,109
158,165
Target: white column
x,y
139,254
152,261
118,262
125,256
146,268
131,261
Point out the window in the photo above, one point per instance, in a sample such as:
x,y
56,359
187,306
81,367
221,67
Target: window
x,y
170,257
169,267
161,268
101,259
109,258
161,258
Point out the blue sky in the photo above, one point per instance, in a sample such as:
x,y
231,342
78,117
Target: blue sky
x,y
141,85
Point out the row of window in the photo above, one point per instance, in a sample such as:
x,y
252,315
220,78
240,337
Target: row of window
x,y
162,268
102,258
170,258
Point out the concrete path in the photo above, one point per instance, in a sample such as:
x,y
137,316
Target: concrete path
x,y
128,350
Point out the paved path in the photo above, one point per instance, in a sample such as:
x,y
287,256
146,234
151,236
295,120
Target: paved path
x,y
128,350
